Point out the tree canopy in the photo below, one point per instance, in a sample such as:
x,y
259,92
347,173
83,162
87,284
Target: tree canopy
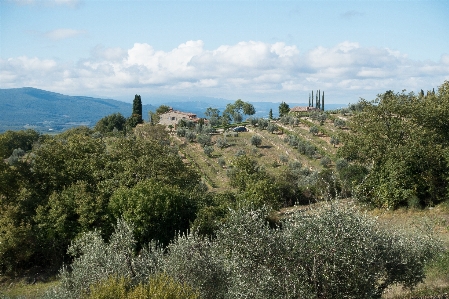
x,y
284,109
234,111
403,139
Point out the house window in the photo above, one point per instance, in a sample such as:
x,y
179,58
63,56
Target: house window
x,y
173,118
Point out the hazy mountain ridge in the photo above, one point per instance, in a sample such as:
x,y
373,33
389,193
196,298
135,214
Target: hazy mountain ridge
x,y
45,111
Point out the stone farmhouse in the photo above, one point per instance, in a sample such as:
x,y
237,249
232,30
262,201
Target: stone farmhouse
x,y
172,117
299,109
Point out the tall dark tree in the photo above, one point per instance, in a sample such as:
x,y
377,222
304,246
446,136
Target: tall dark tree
x,y
322,102
136,116
137,108
312,99
319,99
270,114
284,109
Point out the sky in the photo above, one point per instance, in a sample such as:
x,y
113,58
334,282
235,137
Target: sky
x,y
271,50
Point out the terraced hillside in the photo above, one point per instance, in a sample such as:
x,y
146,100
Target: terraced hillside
x,y
278,148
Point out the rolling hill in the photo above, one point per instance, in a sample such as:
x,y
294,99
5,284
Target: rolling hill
x,y
49,111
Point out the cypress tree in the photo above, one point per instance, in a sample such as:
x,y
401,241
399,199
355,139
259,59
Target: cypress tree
x,y
270,114
309,99
319,98
312,99
137,109
322,102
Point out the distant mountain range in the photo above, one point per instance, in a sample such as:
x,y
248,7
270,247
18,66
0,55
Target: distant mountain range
x,y
42,110
47,111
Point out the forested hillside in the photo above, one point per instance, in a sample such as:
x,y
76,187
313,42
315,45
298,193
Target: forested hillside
x,y
313,204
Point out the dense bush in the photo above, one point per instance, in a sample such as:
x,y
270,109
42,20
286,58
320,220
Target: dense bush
x,y
190,135
203,139
208,150
328,252
95,261
221,143
403,140
11,140
64,186
108,123
256,140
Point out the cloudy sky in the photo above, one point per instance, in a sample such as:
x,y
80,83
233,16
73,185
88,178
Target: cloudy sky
x,y
272,50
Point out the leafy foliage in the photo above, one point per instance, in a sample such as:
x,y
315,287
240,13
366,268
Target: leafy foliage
x,y
284,109
256,140
329,253
402,140
64,187
95,261
236,110
108,123
157,210
11,140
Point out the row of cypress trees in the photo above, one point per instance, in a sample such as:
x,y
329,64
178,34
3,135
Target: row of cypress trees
x,y
319,100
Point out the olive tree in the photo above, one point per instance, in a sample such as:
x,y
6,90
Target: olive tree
x,y
256,140
329,252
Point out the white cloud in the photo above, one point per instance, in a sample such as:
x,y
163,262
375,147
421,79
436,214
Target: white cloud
x,y
250,70
63,33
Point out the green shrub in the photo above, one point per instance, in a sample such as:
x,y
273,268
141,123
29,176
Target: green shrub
x,y
256,140
326,252
314,130
203,139
11,140
221,143
156,209
208,150
330,252
325,161
94,261
190,136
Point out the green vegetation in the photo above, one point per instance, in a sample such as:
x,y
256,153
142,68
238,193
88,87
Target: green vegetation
x,y
109,123
234,111
282,209
284,109
403,140
327,252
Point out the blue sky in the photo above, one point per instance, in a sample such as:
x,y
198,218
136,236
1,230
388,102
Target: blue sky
x,y
254,50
